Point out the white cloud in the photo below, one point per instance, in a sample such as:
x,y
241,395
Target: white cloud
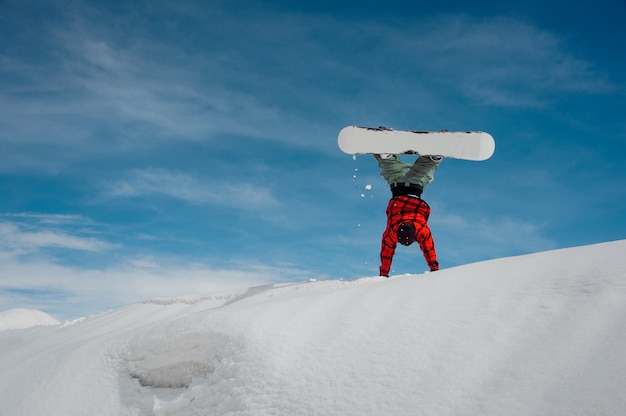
x,y
144,92
144,182
51,218
31,276
473,237
68,292
17,240
498,61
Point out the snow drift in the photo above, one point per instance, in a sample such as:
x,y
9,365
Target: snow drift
x,y
528,335
20,318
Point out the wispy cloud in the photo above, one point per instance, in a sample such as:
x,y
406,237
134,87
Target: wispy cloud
x,y
253,77
35,273
93,95
45,218
145,182
15,239
496,61
473,237
69,292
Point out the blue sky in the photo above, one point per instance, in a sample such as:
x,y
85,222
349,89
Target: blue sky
x,y
161,148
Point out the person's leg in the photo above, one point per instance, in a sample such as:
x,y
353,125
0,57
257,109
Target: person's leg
x,y
423,170
392,168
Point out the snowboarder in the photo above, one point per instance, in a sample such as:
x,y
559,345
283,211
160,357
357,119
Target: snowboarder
x,y
407,213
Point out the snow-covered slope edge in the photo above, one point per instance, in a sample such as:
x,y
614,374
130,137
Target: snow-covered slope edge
x,y
20,318
536,334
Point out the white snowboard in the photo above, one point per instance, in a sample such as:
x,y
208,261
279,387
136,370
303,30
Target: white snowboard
x,y
471,145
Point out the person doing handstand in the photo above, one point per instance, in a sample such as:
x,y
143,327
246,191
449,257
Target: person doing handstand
x,y
407,213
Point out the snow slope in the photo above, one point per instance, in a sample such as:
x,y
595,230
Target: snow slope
x,y
541,334
20,318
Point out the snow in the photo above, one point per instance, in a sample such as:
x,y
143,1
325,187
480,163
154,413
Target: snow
x,y
529,335
20,318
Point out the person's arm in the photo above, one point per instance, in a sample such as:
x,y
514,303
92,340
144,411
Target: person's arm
x,y
427,244
387,250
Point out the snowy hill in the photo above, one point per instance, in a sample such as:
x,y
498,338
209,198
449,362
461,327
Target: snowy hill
x,y
20,318
540,334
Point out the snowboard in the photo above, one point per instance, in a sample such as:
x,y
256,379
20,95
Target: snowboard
x,y
471,145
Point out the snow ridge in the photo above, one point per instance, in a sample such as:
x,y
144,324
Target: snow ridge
x,y
528,335
20,318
